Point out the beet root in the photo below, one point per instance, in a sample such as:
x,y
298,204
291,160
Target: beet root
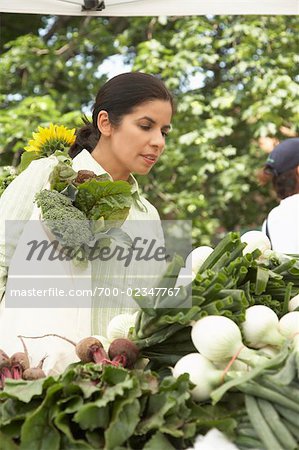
x,y
90,349
123,351
35,373
4,359
19,363
5,371
84,175
20,359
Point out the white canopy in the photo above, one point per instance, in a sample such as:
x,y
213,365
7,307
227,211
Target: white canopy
x,y
151,7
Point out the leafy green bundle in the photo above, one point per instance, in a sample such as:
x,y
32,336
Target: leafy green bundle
x,y
107,407
82,209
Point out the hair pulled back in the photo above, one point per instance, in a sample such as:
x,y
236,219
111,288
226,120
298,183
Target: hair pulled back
x,y
119,96
285,184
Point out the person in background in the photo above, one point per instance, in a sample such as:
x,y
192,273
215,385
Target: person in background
x,y
282,222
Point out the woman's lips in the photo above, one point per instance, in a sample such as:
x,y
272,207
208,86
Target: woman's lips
x,y
149,159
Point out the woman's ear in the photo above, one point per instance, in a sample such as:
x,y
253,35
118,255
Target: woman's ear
x,y
103,123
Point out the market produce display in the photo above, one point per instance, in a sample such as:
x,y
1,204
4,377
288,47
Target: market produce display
x,y
228,361
229,281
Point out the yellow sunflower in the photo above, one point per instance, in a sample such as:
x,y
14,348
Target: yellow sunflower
x,y
48,140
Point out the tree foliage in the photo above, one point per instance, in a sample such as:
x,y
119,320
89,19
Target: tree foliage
x,y
236,86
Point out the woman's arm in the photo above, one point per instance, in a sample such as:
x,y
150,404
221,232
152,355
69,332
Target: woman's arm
x,y
16,205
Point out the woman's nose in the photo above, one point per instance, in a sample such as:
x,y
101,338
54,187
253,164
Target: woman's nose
x,y
158,140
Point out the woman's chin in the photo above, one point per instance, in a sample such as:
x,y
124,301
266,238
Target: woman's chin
x,y
142,171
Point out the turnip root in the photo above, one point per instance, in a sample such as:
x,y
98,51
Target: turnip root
x,y
124,352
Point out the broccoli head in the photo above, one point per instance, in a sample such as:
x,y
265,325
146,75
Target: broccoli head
x,y
65,221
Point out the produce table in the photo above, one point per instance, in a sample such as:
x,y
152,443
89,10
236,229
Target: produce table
x,y
230,361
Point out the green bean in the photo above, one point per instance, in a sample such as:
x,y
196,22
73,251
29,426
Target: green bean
x,y
248,442
280,431
247,431
294,429
288,415
287,391
260,425
295,384
287,374
255,389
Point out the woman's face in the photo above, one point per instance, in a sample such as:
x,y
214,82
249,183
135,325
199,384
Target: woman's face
x,y
137,143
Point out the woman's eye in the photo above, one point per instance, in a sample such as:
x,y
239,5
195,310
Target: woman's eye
x,y
145,127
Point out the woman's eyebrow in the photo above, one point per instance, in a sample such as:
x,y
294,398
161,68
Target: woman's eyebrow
x,y
168,126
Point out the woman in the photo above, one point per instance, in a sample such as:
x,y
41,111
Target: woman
x,y
131,118
282,223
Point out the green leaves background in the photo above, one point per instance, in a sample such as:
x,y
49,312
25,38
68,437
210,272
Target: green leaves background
x,y
235,80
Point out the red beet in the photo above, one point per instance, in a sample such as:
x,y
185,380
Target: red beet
x,y
124,351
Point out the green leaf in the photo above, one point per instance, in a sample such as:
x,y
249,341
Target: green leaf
x,y
64,423
87,387
6,443
108,199
27,158
94,414
62,176
14,410
91,416
13,429
38,432
125,417
114,375
71,404
158,441
25,390
66,444
158,407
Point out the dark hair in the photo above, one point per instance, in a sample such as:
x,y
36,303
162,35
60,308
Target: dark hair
x,y
119,96
285,184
